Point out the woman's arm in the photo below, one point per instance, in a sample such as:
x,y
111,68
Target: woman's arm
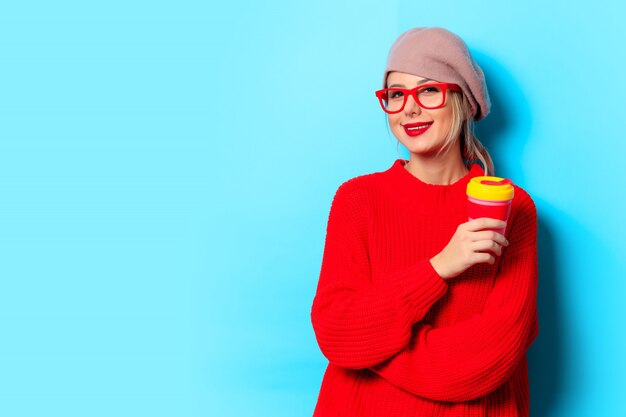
x,y
473,358
356,324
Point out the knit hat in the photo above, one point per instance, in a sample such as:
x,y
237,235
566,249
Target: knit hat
x,y
441,55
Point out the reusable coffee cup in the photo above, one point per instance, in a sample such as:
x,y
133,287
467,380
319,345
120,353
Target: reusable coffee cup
x,y
489,197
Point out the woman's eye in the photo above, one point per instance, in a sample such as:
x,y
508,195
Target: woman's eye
x,y
430,90
395,94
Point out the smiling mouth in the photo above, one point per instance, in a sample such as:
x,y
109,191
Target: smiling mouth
x,y
416,129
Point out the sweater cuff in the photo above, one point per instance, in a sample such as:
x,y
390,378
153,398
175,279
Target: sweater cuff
x,y
419,287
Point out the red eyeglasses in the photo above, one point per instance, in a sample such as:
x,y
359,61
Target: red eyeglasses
x,y
428,96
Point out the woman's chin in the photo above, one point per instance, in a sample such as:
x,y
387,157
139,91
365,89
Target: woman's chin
x,y
422,150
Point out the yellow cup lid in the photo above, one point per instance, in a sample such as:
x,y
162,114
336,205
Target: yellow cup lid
x,y
490,188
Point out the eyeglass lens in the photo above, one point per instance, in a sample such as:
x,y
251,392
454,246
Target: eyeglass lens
x,y
428,96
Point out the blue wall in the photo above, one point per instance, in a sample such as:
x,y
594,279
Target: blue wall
x,y
167,167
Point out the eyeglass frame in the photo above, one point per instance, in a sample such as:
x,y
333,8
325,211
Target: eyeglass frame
x,y
413,92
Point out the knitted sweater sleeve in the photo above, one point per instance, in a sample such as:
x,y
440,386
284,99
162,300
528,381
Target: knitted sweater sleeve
x,y
472,358
357,324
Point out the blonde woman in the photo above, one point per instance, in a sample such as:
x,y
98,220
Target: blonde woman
x,y
419,311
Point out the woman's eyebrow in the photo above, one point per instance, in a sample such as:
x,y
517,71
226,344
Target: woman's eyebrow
x,y
418,83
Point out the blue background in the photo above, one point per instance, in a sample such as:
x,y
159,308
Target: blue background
x,y
167,167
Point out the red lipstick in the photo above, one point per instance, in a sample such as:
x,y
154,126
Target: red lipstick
x,y
416,129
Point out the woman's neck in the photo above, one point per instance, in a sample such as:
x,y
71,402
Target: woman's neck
x,y
443,170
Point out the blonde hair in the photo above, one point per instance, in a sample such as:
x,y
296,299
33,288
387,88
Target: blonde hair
x,y
462,127
472,150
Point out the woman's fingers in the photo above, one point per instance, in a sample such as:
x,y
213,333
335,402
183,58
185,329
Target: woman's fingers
x,y
472,243
482,257
489,235
487,245
484,223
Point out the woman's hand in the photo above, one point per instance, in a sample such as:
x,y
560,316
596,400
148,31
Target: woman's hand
x,y
469,246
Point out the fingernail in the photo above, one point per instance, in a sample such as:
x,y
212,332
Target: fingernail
x,y
506,243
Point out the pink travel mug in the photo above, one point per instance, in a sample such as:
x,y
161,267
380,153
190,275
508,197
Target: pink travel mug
x,y
489,197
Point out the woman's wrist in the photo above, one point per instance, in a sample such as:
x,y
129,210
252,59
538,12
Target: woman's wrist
x,y
440,269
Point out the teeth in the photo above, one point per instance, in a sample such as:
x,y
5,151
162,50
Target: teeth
x,y
416,128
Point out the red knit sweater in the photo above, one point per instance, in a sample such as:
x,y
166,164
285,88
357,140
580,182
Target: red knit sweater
x,y
400,340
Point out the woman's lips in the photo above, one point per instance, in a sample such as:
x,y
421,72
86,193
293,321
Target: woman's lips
x,y
416,129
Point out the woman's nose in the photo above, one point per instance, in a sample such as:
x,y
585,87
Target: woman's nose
x,y
411,106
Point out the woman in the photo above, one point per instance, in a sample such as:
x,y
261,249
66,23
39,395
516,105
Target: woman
x,y
419,311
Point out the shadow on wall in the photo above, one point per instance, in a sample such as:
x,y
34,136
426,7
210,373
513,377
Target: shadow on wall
x,y
545,356
505,132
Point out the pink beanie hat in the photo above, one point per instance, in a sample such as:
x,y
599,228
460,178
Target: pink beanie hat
x,y
439,54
